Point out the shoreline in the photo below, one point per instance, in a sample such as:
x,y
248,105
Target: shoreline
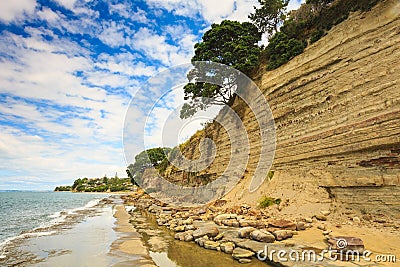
x,y
129,241
292,235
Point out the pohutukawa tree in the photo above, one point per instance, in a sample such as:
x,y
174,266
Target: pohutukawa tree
x,y
230,43
269,16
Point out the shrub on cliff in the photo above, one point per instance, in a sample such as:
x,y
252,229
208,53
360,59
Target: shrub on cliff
x,y
281,49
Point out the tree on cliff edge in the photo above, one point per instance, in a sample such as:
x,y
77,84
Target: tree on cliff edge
x,y
230,43
270,15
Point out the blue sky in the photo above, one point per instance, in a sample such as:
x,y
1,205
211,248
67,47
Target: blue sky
x,y
69,69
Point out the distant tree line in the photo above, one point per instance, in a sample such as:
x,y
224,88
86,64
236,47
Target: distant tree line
x,y
104,184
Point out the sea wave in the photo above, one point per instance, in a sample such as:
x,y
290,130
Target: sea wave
x,y
59,220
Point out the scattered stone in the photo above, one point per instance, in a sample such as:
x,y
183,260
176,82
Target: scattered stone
x,y
219,218
262,236
227,247
308,225
218,237
245,232
180,236
322,227
325,212
187,221
210,231
231,223
200,241
327,232
283,234
180,228
201,211
240,253
189,238
308,220
211,245
189,227
356,219
321,217
300,226
244,260
283,224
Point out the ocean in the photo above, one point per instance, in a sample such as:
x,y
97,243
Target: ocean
x,y
32,214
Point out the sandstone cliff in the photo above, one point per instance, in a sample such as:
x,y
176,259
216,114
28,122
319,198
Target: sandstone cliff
x,y
337,116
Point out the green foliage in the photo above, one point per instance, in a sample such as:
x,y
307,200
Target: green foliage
x,y
281,49
269,16
268,201
231,43
153,157
316,35
63,188
101,184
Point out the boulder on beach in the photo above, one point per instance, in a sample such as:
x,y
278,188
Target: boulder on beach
x,y
210,231
240,253
283,224
245,232
262,236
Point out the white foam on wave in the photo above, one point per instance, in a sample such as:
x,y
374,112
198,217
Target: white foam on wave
x,y
58,218
20,237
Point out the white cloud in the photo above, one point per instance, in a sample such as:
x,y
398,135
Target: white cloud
x,y
11,10
113,34
157,47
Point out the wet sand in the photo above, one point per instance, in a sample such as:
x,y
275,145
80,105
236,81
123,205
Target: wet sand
x,y
129,241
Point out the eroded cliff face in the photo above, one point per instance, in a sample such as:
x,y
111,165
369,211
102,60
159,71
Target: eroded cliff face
x,y
337,117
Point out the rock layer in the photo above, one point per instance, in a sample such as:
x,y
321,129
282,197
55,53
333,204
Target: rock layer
x,y
337,115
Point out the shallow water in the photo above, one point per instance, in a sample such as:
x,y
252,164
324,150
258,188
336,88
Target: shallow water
x,y
166,251
84,238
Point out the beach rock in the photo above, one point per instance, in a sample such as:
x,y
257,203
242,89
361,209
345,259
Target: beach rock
x,y
219,218
322,227
245,232
240,253
327,232
180,228
308,220
282,234
230,222
283,224
300,226
244,260
189,237
180,236
262,236
200,241
189,227
210,231
321,217
218,237
325,212
187,221
356,219
346,243
201,211
247,223
211,245
227,247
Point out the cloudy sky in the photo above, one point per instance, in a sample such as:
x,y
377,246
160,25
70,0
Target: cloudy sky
x,y
69,69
